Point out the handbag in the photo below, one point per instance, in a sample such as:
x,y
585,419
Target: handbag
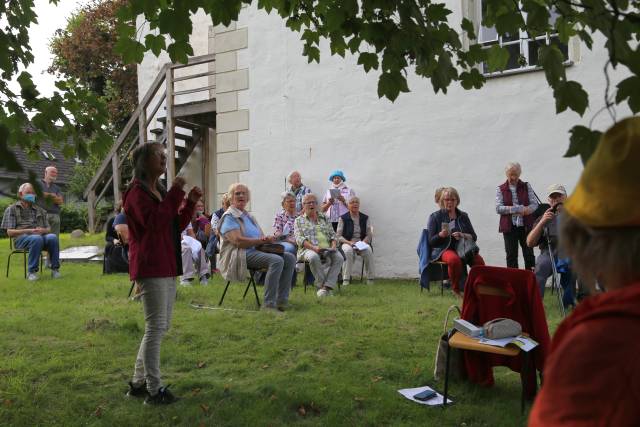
x,y
467,249
455,356
271,248
501,328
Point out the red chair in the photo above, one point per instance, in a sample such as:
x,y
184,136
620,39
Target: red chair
x,y
493,292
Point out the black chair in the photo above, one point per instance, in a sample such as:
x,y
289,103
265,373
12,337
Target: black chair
x,y
250,283
24,253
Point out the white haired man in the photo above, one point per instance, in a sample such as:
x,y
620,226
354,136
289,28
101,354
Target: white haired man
x,y
298,189
52,200
27,224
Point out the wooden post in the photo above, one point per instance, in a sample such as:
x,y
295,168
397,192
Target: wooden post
x,y
116,177
142,125
91,201
171,143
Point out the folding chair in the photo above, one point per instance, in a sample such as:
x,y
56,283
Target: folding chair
x,y
24,253
362,259
250,283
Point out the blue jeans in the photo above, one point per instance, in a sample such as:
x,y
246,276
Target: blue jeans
x,y
36,243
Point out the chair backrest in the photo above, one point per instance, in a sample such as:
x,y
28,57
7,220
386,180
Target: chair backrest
x,y
493,292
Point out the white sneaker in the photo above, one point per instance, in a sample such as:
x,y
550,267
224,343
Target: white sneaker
x,y
345,283
32,277
204,281
55,274
322,293
186,282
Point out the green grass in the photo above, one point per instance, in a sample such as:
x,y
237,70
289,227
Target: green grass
x,y
68,348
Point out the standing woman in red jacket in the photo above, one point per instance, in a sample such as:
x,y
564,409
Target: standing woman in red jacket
x,y
155,220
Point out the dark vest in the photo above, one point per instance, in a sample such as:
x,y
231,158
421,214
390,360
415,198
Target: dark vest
x,y
507,199
347,229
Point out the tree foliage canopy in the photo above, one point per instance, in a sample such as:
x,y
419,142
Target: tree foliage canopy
x,y
389,37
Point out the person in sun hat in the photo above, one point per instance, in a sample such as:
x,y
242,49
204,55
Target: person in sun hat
x,y
545,234
592,376
337,203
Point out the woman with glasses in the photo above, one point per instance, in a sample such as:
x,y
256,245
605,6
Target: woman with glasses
x,y
241,237
447,227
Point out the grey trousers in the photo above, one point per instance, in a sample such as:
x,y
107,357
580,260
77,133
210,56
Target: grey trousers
x,y
158,296
350,254
543,270
54,223
277,283
324,278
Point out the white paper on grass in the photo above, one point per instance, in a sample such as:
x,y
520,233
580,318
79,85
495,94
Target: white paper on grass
x,y
435,401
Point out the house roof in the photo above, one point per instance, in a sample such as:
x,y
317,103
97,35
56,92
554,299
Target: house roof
x,y
48,155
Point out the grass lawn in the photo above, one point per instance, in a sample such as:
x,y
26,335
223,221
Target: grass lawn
x,y
68,347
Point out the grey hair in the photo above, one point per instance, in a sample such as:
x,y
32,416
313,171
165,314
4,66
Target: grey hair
x,y
309,196
291,173
24,186
608,255
286,194
354,199
513,165
232,189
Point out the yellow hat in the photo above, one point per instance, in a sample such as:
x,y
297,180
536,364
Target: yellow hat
x,y
608,193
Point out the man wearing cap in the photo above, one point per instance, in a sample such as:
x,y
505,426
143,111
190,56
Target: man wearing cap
x,y
548,224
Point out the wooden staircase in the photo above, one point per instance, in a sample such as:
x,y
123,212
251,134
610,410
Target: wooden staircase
x,y
178,118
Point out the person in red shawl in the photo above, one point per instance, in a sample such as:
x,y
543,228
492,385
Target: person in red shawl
x,y
592,375
154,221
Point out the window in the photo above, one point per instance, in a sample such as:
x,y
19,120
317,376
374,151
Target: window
x,y
523,51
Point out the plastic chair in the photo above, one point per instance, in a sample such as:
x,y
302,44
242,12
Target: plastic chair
x,y
24,253
251,282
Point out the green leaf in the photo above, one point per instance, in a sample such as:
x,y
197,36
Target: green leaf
x,y
583,142
312,53
391,84
368,61
551,60
629,89
497,58
472,79
179,51
565,29
467,26
154,43
132,51
571,95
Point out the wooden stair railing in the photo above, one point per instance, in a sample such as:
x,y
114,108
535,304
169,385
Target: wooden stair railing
x,y
136,132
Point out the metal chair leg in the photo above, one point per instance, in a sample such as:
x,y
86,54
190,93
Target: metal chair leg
x,y
24,263
248,285
9,263
446,375
224,293
441,279
133,284
255,291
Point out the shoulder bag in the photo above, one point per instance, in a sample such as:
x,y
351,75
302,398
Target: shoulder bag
x,y
455,358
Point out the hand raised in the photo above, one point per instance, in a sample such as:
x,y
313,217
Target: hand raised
x,y
195,194
179,182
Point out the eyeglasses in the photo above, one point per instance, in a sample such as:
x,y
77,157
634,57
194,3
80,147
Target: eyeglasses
x,y
310,203
240,193
448,200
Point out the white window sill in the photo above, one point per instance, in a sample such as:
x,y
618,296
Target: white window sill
x,y
522,70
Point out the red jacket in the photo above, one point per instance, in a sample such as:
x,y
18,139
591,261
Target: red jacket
x,y
524,306
593,376
154,231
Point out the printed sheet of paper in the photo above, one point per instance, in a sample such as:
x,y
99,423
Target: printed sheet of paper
x,y
361,246
335,192
435,401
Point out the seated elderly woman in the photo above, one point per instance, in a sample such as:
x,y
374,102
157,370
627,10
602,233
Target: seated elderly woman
x,y
194,260
213,246
240,250
283,223
447,228
591,373
317,242
355,234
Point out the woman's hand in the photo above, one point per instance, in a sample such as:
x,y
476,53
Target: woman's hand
x,y
179,182
195,194
268,239
330,201
341,198
457,235
444,233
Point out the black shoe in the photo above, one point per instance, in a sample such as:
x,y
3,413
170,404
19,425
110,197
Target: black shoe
x,y
163,397
139,391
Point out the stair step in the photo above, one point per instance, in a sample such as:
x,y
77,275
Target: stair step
x,y
157,131
194,108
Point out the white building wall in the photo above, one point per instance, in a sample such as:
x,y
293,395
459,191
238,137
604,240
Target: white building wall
x,y
316,118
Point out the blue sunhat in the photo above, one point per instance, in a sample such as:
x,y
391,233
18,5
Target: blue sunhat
x,y
337,172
